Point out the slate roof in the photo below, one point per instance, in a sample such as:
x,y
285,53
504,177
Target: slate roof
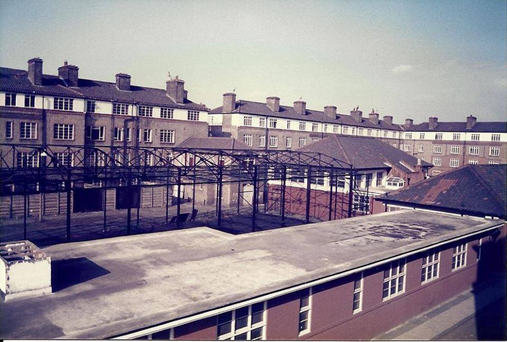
x,y
495,127
214,143
17,81
286,112
364,152
476,189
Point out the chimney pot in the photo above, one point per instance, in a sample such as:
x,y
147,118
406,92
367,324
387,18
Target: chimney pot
x,y
229,104
330,111
374,117
69,73
300,107
357,115
433,122
273,102
176,90
471,121
35,71
123,81
388,119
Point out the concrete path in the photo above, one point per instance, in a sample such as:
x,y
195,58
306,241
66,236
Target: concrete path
x,y
446,321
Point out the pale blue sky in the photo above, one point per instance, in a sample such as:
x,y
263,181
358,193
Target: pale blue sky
x,y
404,58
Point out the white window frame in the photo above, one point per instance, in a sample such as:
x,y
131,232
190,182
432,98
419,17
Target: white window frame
x,y
408,135
420,148
65,158
9,129
119,133
315,127
495,137
262,122
146,111
473,150
166,113
456,136
473,162
493,162
357,296
494,151
29,101
395,278
439,136
90,106
247,121
437,149
63,103
27,159
288,124
272,123
262,141
288,142
302,126
101,133
147,135
248,139
459,256
306,310
455,149
233,333
167,136
273,141
421,136
120,108
336,128
193,115
437,161
430,269
302,142
345,130
63,132
475,137
10,99
27,130
453,162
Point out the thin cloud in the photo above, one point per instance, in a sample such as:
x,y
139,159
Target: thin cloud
x,y
403,69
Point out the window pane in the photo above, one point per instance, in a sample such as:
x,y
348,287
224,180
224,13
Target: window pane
x,y
303,325
161,335
225,317
303,316
224,328
241,337
400,284
241,322
257,317
257,307
304,302
256,334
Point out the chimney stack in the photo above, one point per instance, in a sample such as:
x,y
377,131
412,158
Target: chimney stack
x,y
471,121
409,123
229,104
123,82
176,90
35,71
69,73
330,111
388,119
273,103
300,107
433,122
356,114
373,117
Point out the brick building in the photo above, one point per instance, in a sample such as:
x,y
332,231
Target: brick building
x,y
348,279
378,167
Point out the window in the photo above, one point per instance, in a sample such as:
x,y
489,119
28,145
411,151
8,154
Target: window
x,y
394,280
336,128
288,142
420,148
494,137
437,148
63,132
27,159
242,324
394,134
454,163
302,126
262,141
90,106
167,334
120,109
317,177
493,162
437,161
302,142
456,136
345,130
272,123
288,124
475,137
297,175
247,121
248,139
479,249
359,131
324,129
494,151
315,140
166,113
64,159
408,135
63,103
368,132
368,179
167,136
358,293
455,149
262,122
118,133
95,133
473,162
421,135
315,127
407,148
147,135
305,307
28,130
145,111
473,150
30,101
9,131
459,256
273,141
361,203
127,134
430,266
10,99
386,133
193,115
380,175
96,158
438,136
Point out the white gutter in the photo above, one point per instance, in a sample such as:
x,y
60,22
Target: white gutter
x,y
217,311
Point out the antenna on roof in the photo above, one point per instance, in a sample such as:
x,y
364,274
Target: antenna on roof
x,y
169,75
300,97
234,90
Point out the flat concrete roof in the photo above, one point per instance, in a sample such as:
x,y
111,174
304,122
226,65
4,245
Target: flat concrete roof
x,y
112,286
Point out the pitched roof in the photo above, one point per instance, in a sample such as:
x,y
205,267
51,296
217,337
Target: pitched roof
x,y
287,112
364,152
479,189
500,127
17,81
214,143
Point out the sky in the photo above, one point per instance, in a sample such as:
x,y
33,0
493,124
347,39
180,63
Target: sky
x,y
409,59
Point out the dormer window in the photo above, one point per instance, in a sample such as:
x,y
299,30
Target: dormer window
x,y
63,103
120,108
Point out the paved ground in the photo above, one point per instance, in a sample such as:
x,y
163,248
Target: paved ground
x,y
477,314
90,226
